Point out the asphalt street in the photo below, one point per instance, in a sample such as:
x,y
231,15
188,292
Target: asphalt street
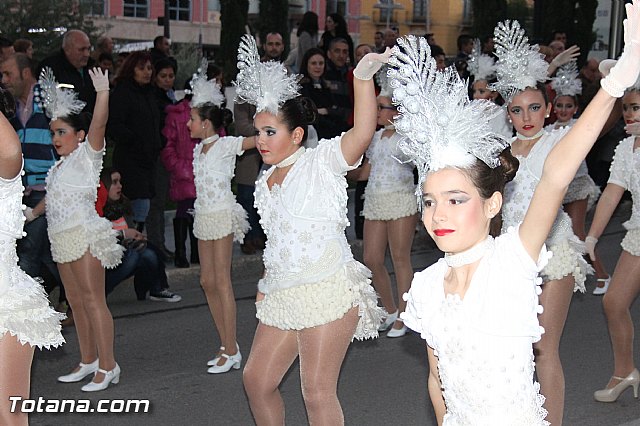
x,y
163,348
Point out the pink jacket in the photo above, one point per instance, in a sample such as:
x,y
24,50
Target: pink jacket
x,y
177,155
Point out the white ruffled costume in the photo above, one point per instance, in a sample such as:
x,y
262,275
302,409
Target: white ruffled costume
x,y
582,186
311,277
74,224
217,214
390,192
24,308
625,172
567,249
484,342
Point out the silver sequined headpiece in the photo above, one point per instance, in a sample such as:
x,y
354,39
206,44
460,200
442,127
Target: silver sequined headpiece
x,y
481,66
566,81
57,101
440,126
204,91
263,84
519,65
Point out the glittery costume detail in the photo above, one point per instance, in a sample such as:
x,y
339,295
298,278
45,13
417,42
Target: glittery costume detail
x,y
204,91
57,101
566,81
481,66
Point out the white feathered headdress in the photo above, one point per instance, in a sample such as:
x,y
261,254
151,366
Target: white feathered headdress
x,y
204,91
440,126
263,84
382,78
566,81
56,100
481,66
519,65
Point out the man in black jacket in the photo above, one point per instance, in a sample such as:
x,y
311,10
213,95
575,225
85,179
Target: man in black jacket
x,y
71,66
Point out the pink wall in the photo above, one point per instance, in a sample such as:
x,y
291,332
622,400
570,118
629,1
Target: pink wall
x,y
156,8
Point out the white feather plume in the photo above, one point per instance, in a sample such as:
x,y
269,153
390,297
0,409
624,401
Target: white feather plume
x,y
481,66
263,84
519,65
57,101
566,81
204,91
440,126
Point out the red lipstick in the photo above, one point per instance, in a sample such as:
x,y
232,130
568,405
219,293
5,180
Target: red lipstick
x,y
527,127
443,232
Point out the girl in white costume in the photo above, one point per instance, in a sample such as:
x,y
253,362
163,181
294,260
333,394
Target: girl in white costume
x,y
477,307
219,220
26,319
625,283
582,193
390,213
82,243
314,297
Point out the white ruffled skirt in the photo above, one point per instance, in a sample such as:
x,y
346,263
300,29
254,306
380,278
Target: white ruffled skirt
x,y
567,259
220,223
96,235
312,305
26,314
631,242
580,188
389,206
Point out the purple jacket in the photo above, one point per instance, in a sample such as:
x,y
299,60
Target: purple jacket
x,y
177,155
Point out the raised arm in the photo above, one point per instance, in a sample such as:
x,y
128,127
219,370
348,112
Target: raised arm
x,y
565,158
98,125
248,143
355,142
10,150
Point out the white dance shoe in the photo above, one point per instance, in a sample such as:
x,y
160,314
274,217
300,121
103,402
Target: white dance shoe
x,y
599,291
388,322
612,394
397,332
230,361
215,359
84,371
112,376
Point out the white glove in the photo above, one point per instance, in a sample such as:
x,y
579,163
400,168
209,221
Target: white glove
x,y
625,72
633,129
590,244
29,215
566,56
370,64
100,79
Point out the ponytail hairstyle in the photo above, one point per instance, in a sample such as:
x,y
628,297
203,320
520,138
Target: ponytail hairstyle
x,y
298,112
488,181
213,113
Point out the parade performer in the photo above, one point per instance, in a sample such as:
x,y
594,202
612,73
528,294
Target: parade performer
x,y
218,219
82,243
314,297
26,319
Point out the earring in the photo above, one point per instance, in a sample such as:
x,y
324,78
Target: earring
x,y
547,116
203,126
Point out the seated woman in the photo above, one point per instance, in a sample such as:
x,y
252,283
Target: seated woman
x,y
141,259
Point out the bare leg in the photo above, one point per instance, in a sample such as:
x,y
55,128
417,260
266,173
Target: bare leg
x,y
375,247
322,351
401,232
215,279
15,364
75,297
624,288
89,275
272,353
555,298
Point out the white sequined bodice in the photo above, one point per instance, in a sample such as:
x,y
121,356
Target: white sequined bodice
x,y
213,172
519,192
625,172
72,188
305,219
388,174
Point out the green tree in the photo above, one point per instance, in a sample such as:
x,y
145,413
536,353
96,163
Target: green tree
x,y
274,18
43,22
575,17
233,17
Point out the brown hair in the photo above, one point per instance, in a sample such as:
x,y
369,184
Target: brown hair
x,y
127,69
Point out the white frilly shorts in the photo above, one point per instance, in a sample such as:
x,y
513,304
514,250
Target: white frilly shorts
x,y
567,259
631,242
26,314
96,235
389,206
220,223
580,188
315,304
